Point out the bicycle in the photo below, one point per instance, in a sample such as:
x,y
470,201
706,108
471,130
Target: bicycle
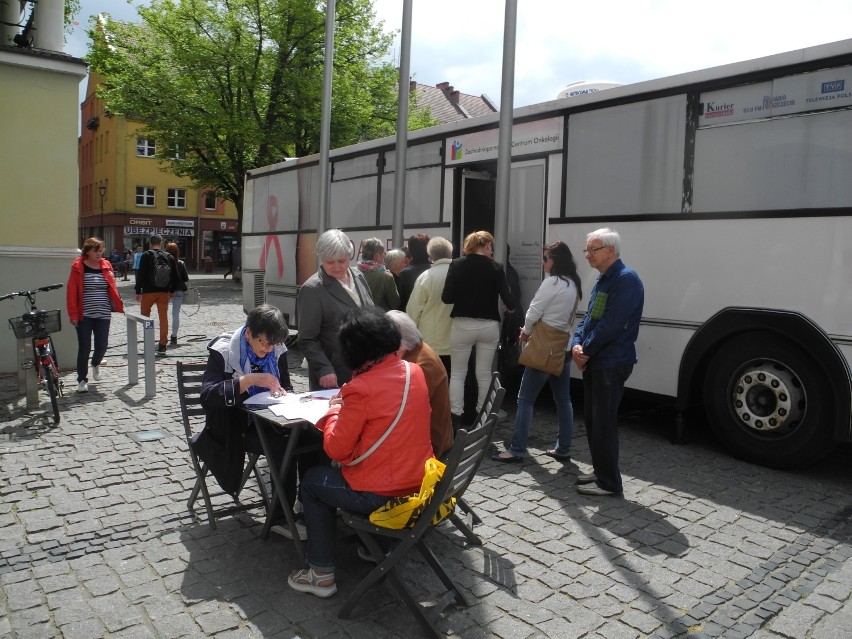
x,y
37,325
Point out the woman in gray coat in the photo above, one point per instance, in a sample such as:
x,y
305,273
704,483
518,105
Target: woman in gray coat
x,y
322,302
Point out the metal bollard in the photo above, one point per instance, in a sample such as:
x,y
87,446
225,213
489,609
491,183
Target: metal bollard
x,y
27,380
148,352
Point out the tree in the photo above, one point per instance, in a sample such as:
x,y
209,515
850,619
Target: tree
x,y
237,84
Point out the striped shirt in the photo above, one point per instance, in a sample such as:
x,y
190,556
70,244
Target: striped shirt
x,y
96,304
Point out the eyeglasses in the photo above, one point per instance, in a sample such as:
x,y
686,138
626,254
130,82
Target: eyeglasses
x,y
263,343
545,258
589,251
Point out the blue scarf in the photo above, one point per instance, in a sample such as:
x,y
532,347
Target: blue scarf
x,y
266,364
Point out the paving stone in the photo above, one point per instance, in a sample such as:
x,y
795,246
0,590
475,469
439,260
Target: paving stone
x,y
700,538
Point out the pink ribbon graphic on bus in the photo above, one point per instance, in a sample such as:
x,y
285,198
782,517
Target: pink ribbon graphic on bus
x,y
272,218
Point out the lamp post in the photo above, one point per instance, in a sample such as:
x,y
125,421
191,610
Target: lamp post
x,y
102,192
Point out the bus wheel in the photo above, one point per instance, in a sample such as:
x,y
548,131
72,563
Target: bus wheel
x,y
768,401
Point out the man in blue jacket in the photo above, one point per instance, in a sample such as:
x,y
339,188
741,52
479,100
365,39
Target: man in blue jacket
x,y
604,350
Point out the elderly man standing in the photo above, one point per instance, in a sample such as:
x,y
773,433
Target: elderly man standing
x,y
604,349
413,349
379,278
425,307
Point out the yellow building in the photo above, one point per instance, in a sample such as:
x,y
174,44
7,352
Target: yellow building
x,y
127,192
38,169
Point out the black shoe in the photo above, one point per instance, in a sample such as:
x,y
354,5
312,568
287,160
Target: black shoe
x,y
173,341
161,349
551,452
514,459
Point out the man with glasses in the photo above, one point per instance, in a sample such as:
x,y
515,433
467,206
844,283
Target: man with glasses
x,y
604,349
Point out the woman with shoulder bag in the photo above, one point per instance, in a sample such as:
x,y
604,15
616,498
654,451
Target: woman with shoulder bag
x,y
554,306
180,289
377,429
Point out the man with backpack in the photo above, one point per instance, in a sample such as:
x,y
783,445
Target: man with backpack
x,y
156,280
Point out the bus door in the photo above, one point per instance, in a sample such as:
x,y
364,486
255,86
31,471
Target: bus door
x,y
526,216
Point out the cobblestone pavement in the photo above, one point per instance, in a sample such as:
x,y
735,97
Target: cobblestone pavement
x,y
95,539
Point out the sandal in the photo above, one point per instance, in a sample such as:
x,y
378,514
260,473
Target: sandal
x,y
306,580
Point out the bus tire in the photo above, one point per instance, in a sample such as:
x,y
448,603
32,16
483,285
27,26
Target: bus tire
x,y
768,401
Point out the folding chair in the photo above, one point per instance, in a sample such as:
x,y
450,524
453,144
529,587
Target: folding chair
x,y
189,378
491,406
464,458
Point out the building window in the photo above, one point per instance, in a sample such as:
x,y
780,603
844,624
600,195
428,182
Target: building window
x,y
144,196
145,148
210,201
175,153
177,199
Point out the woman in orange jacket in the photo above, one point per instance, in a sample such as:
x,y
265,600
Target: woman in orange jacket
x,y
92,296
377,430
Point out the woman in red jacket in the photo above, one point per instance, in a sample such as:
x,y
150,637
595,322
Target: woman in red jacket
x,y
92,296
376,462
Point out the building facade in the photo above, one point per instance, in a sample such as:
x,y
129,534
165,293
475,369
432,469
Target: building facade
x,y
38,167
128,193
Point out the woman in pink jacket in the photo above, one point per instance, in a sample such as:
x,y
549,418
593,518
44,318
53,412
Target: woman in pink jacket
x,y
92,296
376,462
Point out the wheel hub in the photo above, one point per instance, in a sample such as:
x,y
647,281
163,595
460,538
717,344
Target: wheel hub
x,y
768,400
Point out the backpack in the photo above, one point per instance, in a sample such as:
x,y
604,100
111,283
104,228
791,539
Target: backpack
x,y
162,270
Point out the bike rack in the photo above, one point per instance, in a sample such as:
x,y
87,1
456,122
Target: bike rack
x,y
148,353
27,380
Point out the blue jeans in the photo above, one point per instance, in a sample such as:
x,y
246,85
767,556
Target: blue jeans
x,y
323,490
603,389
177,301
86,327
531,384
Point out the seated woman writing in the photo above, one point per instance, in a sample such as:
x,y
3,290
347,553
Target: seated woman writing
x,y
251,360
377,429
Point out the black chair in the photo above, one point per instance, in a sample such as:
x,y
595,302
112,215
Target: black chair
x,y
189,378
490,406
464,458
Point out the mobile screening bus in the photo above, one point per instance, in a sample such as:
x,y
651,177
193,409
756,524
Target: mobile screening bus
x,y
731,188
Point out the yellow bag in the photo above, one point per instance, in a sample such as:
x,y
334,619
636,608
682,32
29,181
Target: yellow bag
x,y
403,512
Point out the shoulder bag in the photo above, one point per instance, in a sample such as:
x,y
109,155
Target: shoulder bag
x,y
379,441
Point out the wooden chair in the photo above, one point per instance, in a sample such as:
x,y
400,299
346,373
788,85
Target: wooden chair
x,y
491,406
189,378
464,458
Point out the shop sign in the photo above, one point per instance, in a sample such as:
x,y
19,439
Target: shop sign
x,y
164,231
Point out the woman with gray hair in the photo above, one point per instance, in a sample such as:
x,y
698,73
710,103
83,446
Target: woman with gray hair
x,y
413,349
322,302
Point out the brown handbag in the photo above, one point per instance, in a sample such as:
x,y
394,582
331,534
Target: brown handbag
x,y
545,349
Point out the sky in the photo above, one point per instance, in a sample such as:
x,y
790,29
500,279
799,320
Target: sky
x,y
559,42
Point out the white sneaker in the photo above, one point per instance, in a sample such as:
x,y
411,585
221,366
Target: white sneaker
x,y
96,373
297,507
284,531
83,387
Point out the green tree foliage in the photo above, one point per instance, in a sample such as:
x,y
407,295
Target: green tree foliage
x,y
237,84
72,8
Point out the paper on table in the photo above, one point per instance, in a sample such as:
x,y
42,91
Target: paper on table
x,y
266,399
311,411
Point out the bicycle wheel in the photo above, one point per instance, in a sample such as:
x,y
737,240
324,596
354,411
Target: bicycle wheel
x,y
51,380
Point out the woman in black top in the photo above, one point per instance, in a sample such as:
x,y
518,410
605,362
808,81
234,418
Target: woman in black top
x,y
474,284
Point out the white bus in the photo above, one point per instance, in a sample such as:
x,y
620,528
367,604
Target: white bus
x,y
731,188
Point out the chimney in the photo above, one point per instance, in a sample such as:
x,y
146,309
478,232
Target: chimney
x,y
412,86
454,97
444,86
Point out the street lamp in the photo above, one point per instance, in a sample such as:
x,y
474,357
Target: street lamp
x,y
102,192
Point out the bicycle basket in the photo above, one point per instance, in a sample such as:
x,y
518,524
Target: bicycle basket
x,y
38,323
